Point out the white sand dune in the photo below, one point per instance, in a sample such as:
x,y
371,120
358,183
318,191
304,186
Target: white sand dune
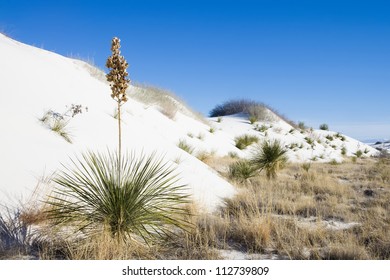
x,y
34,81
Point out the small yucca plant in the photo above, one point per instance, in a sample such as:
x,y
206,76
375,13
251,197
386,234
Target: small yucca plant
x,y
270,156
127,196
242,170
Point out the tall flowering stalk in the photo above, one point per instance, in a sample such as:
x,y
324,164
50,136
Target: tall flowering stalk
x,y
118,82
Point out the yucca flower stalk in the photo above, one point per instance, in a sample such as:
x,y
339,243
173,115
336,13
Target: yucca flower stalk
x,y
118,82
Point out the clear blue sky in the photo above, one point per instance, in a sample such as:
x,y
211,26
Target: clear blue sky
x,y
321,61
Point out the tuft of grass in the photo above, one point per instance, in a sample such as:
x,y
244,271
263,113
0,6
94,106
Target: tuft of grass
x,y
358,153
309,140
252,119
306,166
212,130
185,146
245,140
270,156
242,170
329,137
205,155
60,127
262,128
233,154
129,197
200,136
57,123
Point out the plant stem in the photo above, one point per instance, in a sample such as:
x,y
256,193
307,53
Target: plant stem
x,y
119,142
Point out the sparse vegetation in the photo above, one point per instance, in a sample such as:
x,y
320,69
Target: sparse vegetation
x,y
205,155
328,213
270,156
252,119
233,154
58,122
245,140
309,140
306,166
242,170
329,137
262,128
185,146
358,153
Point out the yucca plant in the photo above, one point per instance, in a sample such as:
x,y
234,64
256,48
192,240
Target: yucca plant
x,y
242,170
127,196
270,156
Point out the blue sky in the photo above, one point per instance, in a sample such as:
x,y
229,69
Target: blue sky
x,y
314,61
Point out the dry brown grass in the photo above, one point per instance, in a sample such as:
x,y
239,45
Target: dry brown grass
x,y
328,212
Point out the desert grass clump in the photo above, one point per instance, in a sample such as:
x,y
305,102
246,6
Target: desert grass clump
x,y
58,122
241,170
306,166
129,197
245,140
358,153
185,146
270,156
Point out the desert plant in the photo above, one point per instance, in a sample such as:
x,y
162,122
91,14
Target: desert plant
x,y
329,137
58,122
117,77
219,120
233,154
306,166
126,196
309,140
358,153
242,170
252,119
344,151
262,128
212,130
324,126
185,146
270,156
245,140
200,136
60,127
301,126
233,107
